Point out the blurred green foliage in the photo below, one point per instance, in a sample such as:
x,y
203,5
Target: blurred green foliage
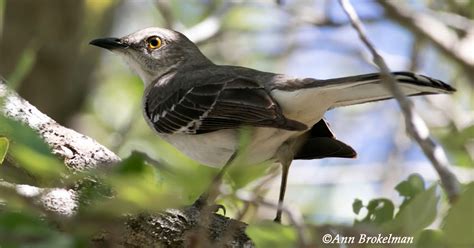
x,y
409,219
458,144
136,185
378,211
272,235
30,152
139,184
24,66
419,210
2,11
25,229
409,188
240,173
417,214
459,222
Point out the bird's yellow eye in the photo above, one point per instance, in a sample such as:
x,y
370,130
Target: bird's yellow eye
x,y
153,42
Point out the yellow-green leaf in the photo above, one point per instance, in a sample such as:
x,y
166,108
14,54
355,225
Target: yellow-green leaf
x,y
459,223
272,235
417,214
4,144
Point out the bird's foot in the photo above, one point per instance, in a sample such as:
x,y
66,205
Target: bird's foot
x,y
278,214
277,220
202,205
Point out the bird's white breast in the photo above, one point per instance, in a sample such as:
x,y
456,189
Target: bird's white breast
x,y
215,148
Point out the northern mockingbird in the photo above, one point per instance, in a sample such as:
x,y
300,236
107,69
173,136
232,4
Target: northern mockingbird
x,y
199,106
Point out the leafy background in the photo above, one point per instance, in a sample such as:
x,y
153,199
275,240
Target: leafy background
x,y
390,187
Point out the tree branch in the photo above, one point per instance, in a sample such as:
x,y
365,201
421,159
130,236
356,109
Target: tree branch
x,y
78,151
201,32
430,28
171,228
415,125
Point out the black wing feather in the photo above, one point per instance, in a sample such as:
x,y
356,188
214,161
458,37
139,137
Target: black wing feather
x,y
215,106
321,143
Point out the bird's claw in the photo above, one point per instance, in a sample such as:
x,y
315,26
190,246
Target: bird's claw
x,y
202,205
216,207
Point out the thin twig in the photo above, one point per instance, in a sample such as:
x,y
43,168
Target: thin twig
x,y
415,125
453,20
201,32
210,27
292,217
416,47
259,189
328,22
164,7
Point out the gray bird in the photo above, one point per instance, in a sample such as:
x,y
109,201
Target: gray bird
x,y
199,107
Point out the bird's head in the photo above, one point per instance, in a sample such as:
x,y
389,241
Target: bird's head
x,y
152,52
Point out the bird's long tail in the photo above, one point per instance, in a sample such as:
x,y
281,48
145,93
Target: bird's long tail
x,y
369,87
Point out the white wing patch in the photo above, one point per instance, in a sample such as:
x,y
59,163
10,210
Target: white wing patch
x,y
194,125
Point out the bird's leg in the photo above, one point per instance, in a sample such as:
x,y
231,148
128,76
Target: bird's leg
x,y
285,156
208,197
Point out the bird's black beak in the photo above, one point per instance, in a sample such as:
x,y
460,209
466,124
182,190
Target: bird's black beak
x,y
109,43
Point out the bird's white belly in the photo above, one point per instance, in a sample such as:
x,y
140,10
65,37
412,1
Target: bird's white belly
x,y
215,148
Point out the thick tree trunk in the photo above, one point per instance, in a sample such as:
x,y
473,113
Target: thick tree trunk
x,y
42,47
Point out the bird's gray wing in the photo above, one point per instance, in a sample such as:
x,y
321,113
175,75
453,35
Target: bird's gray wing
x,y
203,108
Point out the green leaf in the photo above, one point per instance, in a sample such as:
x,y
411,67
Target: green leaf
x,y
4,143
417,214
26,230
410,188
137,187
25,64
19,133
379,211
357,206
459,222
271,235
134,164
43,166
241,172
455,143
30,151
185,174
